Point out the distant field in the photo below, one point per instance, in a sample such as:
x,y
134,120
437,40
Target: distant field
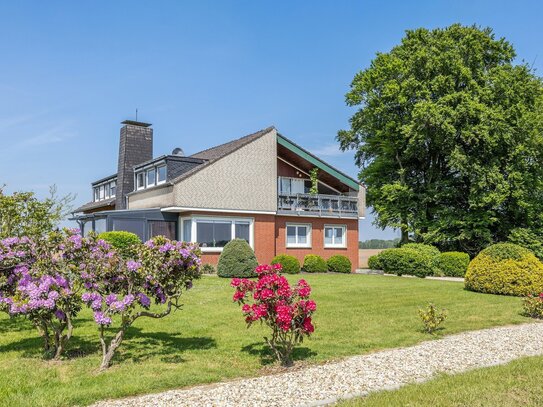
x,y
363,255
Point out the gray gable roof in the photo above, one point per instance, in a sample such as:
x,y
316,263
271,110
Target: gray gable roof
x,y
214,153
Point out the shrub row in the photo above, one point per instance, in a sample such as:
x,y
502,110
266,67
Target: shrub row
x,y
421,260
238,260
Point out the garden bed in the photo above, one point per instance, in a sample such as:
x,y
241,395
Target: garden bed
x,y
207,341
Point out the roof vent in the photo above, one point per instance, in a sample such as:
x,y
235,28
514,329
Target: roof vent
x,y
178,151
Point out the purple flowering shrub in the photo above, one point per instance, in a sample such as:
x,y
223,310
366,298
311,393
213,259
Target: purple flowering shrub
x,y
39,281
122,292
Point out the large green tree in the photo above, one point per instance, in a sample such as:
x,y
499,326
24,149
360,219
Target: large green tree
x,y
448,134
23,214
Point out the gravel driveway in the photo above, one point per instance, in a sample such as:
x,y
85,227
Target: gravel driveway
x,y
358,375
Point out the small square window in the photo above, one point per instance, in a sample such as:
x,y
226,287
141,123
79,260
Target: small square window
x,y
334,236
298,235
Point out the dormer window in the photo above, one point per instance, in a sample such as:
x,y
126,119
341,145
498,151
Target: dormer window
x,y
151,176
161,174
140,180
105,190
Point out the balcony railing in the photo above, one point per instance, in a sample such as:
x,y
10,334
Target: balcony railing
x,y
320,205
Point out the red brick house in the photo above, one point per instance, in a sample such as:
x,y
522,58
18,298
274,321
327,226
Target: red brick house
x,y
256,188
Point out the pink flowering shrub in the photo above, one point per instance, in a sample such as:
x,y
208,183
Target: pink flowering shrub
x,y
39,281
123,291
286,310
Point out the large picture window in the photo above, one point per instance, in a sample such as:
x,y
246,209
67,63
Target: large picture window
x,y
212,233
335,236
298,235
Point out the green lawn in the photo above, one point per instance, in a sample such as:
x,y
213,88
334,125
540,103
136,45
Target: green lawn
x,y
207,341
513,385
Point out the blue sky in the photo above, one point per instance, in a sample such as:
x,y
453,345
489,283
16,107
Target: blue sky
x,y
202,72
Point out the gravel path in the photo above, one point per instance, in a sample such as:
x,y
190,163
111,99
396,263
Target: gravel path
x,y
359,375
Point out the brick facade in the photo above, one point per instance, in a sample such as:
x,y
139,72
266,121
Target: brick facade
x,y
270,238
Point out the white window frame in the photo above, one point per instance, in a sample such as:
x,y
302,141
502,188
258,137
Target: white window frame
x,y
335,245
309,236
232,219
165,174
147,183
113,184
144,174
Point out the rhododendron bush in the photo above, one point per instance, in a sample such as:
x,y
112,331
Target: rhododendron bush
x,y
118,295
285,310
49,278
38,280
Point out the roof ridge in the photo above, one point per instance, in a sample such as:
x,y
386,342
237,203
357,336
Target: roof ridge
x,y
263,131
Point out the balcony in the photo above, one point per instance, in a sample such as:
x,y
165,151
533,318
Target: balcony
x,y
318,205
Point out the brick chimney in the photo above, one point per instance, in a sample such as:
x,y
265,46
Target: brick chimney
x,y
135,147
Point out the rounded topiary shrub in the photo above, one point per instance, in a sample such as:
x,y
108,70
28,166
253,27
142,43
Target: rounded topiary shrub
x,y
314,264
237,260
374,262
290,264
123,242
453,264
505,268
339,264
407,261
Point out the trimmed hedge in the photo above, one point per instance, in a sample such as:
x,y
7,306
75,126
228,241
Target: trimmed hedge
x,y
407,261
122,241
314,264
237,260
505,268
374,262
423,248
339,264
290,264
453,264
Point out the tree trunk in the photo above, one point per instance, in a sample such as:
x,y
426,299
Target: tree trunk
x,y
109,351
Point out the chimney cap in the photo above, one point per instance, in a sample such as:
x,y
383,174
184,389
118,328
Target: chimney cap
x,y
135,123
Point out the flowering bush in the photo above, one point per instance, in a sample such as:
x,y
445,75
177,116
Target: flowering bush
x,y
533,306
124,290
286,311
38,280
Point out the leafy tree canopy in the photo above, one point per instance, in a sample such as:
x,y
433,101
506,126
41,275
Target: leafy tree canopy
x,y
23,214
448,134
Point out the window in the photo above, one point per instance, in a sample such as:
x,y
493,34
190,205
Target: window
x,y
212,233
288,186
140,180
100,225
298,235
112,188
151,177
335,236
96,194
162,228
161,174
136,226
187,229
101,192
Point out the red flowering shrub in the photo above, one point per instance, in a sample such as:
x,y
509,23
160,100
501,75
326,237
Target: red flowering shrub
x,y
287,311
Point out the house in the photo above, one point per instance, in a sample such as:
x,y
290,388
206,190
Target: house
x,y
256,188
